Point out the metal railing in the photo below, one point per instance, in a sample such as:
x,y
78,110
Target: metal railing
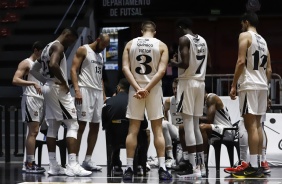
x,y
221,85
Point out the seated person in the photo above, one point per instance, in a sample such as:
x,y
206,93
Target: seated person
x,y
115,109
170,126
216,118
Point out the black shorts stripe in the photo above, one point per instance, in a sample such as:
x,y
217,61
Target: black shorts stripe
x,y
245,106
179,106
27,115
222,113
66,114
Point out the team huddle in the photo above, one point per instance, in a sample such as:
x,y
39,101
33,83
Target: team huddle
x,y
191,115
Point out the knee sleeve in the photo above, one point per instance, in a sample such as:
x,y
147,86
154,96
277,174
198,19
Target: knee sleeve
x,y
198,134
72,127
53,128
189,130
168,142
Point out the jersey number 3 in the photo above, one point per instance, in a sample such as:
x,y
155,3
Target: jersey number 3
x,y
146,59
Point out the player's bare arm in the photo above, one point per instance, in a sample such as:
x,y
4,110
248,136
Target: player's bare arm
x,y
184,46
161,68
76,63
56,56
23,69
126,67
244,42
268,68
211,109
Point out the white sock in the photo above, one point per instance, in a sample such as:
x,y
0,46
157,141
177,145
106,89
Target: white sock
x,y
185,155
129,163
30,158
192,159
72,159
162,163
263,154
87,158
254,160
169,153
52,158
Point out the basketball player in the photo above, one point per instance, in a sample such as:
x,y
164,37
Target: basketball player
x,y
170,126
213,123
32,105
193,56
59,102
86,75
252,75
144,63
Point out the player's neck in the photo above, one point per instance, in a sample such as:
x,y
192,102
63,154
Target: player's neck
x,y
253,29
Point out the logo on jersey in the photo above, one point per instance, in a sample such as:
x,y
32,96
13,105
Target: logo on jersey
x,y
35,113
83,113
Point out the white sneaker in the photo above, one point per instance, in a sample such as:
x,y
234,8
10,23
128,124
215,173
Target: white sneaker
x,y
76,170
148,167
56,170
203,170
90,166
197,172
24,168
169,163
153,162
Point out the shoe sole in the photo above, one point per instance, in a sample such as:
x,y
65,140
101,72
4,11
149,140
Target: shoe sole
x,y
89,169
247,176
191,176
34,172
52,174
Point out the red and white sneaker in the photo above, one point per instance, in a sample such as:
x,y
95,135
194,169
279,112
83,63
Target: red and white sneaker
x,y
266,168
240,167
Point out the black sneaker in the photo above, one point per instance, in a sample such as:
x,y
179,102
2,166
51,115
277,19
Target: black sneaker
x,y
164,175
117,171
249,172
128,173
189,172
33,168
182,166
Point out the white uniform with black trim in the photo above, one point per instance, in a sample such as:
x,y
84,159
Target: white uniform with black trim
x,y
91,87
191,85
32,103
144,57
176,118
252,84
221,120
59,105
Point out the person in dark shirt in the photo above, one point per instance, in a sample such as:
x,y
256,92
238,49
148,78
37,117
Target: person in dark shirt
x,y
115,110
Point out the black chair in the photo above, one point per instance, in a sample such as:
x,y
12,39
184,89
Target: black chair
x,y
229,143
116,134
60,143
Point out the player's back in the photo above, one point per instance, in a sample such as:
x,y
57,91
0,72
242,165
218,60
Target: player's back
x,y
144,57
45,60
254,76
197,59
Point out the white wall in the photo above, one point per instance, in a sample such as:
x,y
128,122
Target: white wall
x,y
273,131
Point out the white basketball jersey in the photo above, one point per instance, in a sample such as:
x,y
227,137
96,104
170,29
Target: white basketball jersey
x,y
222,116
254,76
90,71
144,58
45,58
175,117
197,59
30,90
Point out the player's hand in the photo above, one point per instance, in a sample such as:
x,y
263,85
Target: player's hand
x,y
141,93
78,97
232,93
37,88
64,86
